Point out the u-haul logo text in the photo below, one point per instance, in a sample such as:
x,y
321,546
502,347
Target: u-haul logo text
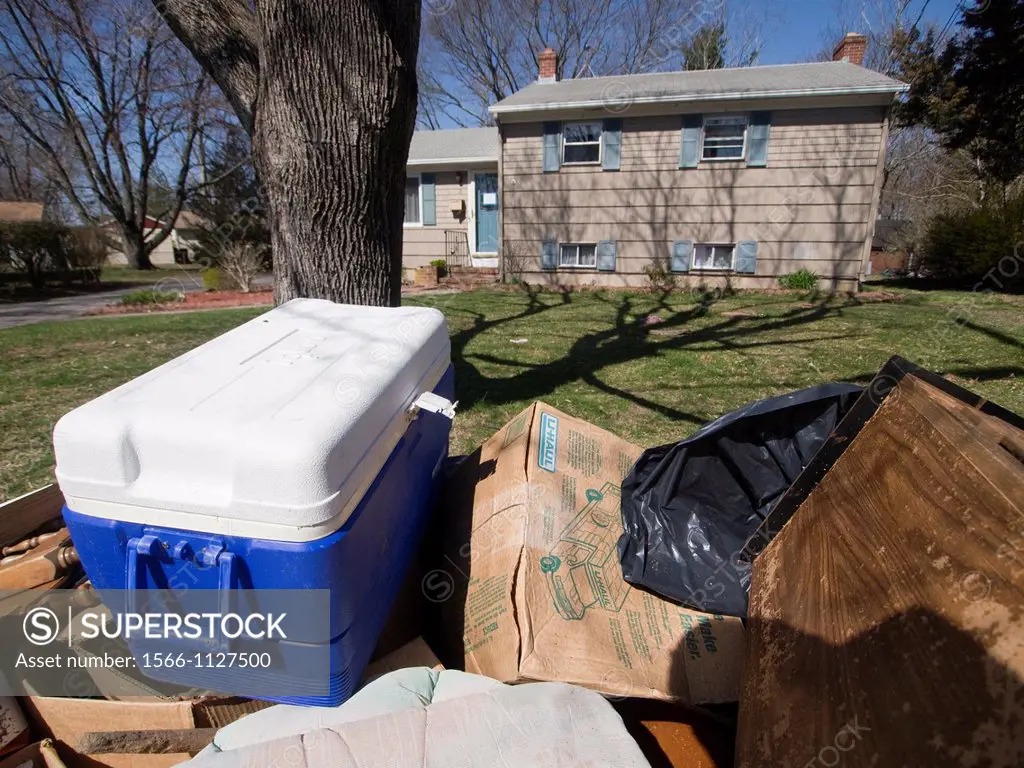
x,y
548,448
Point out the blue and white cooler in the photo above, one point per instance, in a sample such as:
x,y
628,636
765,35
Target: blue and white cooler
x,y
299,451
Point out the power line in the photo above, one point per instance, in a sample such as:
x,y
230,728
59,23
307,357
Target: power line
x,y
948,25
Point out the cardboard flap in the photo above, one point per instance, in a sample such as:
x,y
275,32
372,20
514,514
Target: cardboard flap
x,y
542,595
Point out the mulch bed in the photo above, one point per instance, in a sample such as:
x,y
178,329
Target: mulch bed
x,y
208,300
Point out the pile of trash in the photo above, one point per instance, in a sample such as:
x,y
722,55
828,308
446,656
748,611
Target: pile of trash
x,y
832,573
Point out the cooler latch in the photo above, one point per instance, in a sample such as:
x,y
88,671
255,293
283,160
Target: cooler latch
x,y
433,403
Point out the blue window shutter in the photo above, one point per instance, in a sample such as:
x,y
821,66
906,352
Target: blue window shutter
x,y
429,199
746,257
757,139
606,251
689,150
611,134
549,254
552,146
682,253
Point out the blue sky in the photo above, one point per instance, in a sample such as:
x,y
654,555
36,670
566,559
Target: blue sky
x,y
796,28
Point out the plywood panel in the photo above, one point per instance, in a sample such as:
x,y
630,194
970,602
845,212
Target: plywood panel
x,y
887,618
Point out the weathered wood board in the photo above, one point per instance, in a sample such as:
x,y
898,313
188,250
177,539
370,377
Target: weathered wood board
x,y
887,618
20,516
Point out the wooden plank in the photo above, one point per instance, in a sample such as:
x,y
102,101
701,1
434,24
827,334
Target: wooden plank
x,y
21,516
887,617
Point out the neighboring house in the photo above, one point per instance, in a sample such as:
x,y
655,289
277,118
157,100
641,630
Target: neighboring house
x,y
889,246
451,198
730,176
20,212
180,247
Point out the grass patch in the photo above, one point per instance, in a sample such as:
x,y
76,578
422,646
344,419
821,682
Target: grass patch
x,y
145,297
183,272
595,355
801,280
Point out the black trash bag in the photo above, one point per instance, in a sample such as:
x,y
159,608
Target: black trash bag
x,y
688,509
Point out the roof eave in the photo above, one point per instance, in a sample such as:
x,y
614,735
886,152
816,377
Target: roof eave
x,y
892,90
452,161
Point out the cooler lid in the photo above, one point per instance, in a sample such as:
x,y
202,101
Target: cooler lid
x,y
275,429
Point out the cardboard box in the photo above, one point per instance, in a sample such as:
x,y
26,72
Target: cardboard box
x,y
531,581
42,754
67,720
416,653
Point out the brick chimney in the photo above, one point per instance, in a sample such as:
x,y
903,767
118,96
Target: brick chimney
x,y
851,48
548,64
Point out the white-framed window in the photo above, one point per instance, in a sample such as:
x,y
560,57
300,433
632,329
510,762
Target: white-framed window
x,y
581,143
574,255
725,138
713,256
413,201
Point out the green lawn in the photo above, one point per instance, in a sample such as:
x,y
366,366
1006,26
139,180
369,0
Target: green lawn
x,y
184,273
590,354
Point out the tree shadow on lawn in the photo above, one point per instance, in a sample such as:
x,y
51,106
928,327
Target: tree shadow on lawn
x,y
628,339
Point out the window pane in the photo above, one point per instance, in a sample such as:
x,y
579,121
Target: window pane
x,y
412,201
702,257
577,132
567,256
588,256
723,138
712,257
582,153
716,153
722,257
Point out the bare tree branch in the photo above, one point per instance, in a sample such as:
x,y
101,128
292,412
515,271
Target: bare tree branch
x,y
478,52
105,94
224,36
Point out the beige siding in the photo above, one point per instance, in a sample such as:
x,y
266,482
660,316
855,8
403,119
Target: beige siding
x,y
811,207
422,244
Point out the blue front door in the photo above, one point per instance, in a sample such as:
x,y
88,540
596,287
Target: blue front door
x,y
487,213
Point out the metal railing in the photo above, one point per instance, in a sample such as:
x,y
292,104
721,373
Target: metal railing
x,y
456,248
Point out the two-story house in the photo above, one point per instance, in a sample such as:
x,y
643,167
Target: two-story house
x,y
721,176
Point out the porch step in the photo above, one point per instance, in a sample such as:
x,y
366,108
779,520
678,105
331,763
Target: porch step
x,y
469,277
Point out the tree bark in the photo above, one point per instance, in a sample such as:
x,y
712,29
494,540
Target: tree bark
x,y
333,116
135,250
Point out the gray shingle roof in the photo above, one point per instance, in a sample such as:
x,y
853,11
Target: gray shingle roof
x,y
452,145
815,79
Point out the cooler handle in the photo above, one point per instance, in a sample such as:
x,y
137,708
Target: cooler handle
x,y
433,403
210,555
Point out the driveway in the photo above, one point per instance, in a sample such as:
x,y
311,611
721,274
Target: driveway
x,y
68,307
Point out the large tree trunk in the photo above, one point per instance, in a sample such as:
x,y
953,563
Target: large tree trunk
x,y
336,109
331,102
134,244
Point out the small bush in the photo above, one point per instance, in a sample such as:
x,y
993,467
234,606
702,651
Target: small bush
x,y
660,276
35,248
88,247
240,263
964,246
439,263
801,280
212,278
514,260
148,297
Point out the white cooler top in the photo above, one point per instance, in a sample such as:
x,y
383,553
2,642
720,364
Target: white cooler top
x,y
274,430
